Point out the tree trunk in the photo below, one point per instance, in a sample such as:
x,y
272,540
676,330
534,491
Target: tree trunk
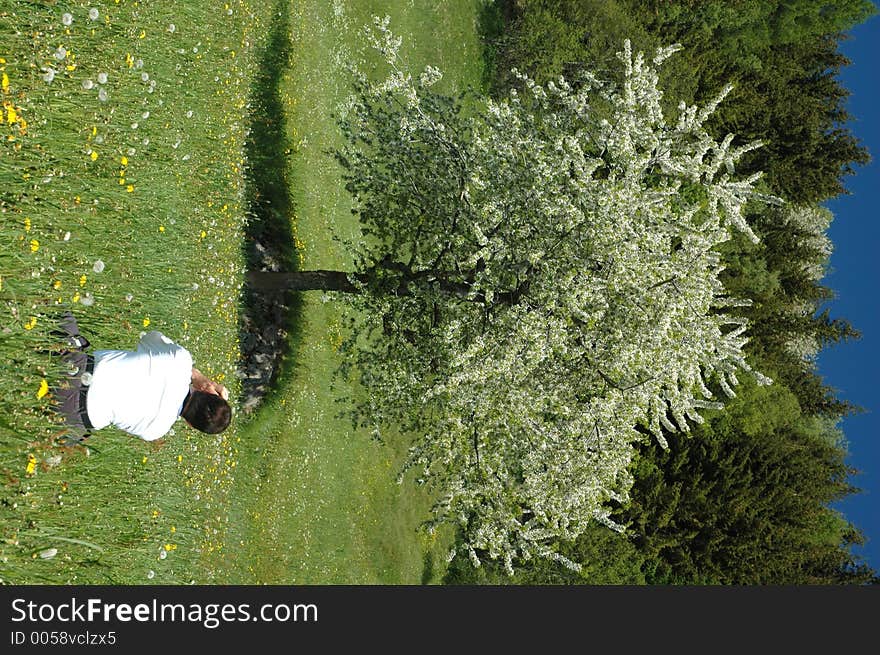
x,y
338,281
301,281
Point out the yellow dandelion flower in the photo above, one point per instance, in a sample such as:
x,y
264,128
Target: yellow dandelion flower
x,y
173,529
130,188
161,228
94,130
82,280
56,284
93,155
142,34
43,390
77,200
35,245
31,324
121,180
124,160
75,297
27,225
31,465
1,283
12,117
203,234
144,459
179,458
5,83
147,322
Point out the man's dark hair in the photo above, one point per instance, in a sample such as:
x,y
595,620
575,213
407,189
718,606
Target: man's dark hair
x,y
206,412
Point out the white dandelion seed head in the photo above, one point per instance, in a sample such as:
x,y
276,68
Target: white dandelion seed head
x,y
99,139
67,236
102,78
151,574
49,553
195,286
98,266
66,19
49,74
134,126
146,142
172,28
145,115
163,554
131,152
145,76
60,53
87,84
128,297
139,63
88,300
176,144
195,49
93,14
102,95
189,114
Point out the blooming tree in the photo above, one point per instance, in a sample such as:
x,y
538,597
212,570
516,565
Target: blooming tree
x,y
536,289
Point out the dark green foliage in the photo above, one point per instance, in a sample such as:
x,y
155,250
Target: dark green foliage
x,y
744,499
794,104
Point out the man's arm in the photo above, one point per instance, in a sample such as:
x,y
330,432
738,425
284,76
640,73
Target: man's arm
x,y
201,382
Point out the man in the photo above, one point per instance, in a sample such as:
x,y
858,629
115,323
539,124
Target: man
x,y
141,391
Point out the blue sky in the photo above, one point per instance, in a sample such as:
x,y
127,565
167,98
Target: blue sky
x,y
852,368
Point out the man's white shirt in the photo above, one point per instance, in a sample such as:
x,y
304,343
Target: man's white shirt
x,y
140,391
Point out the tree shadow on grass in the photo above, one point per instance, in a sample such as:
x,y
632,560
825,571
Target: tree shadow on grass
x,y
268,327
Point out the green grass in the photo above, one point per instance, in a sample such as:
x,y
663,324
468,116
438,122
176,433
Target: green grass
x,y
149,182
291,494
315,501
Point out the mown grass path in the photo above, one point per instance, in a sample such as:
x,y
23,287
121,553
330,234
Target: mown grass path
x,y
313,500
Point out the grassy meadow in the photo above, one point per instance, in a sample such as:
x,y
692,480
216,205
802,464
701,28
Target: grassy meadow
x,y
135,138
319,503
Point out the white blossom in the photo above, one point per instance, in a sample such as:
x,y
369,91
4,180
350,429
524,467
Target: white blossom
x,y
559,293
